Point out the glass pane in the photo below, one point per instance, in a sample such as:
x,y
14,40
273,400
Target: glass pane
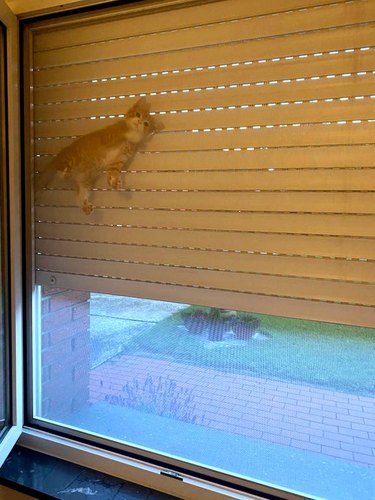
x,y
284,402
3,246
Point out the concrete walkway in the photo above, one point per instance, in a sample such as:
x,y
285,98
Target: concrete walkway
x,y
331,423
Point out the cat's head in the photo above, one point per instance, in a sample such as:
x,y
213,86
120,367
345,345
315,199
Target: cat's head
x,y
139,118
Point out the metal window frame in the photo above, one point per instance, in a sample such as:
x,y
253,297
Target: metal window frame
x,y
13,235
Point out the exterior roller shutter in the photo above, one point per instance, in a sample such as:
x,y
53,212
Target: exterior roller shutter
x,y
259,194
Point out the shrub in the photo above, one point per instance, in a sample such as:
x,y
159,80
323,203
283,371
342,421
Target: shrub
x,y
211,320
245,326
162,397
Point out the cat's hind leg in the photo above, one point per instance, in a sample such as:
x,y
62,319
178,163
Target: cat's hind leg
x,y
83,199
114,177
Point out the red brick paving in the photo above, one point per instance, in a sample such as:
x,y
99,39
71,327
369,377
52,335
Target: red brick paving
x,y
309,418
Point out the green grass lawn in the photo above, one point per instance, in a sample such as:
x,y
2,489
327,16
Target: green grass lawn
x,y
328,355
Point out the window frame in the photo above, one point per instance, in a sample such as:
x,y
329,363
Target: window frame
x,y
12,233
4,230
168,475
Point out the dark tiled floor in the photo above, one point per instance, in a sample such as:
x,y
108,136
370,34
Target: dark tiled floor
x,y
48,477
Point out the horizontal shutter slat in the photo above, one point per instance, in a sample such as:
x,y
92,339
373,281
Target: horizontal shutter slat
x,y
293,157
350,225
268,304
336,202
304,180
212,34
277,243
315,134
295,90
292,244
114,27
324,65
350,109
309,267
286,286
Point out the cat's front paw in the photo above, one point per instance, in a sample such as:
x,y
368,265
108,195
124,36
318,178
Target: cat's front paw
x,y
87,207
114,180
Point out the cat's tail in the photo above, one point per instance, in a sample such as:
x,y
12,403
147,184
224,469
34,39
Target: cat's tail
x,y
44,177
54,174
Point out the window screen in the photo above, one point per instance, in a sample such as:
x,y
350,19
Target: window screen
x,y
259,192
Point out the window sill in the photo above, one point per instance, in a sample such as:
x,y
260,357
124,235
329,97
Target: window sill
x,y
42,476
136,472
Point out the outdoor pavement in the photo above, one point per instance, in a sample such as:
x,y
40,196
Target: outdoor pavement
x,y
115,320
330,423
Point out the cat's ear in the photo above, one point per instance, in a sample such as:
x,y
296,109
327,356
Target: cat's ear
x,y
142,104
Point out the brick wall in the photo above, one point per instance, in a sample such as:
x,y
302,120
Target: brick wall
x,y
65,351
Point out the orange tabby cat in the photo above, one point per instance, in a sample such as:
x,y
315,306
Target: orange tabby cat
x,y
108,149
